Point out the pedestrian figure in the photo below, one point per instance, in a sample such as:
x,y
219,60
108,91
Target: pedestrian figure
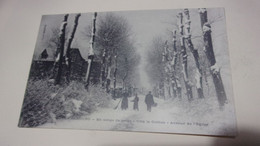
x,y
136,100
124,104
149,101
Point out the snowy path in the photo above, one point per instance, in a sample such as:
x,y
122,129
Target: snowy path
x,y
116,119
167,117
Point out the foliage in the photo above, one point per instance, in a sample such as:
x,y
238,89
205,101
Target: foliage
x,y
96,97
45,102
37,96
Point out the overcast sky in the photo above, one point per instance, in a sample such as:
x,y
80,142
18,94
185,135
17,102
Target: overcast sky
x,y
145,25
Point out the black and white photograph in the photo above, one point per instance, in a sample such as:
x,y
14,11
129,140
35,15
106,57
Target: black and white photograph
x,y
162,71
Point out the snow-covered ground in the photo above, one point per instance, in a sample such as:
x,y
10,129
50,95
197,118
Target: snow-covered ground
x,y
170,116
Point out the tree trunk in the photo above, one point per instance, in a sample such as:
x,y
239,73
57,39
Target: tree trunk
x,y
91,50
214,69
126,74
184,59
60,49
179,89
189,44
103,68
167,70
68,57
108,76
174,63
115,73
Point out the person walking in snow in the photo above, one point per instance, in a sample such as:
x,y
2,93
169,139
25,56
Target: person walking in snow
x,y
149,101
124,104
136,100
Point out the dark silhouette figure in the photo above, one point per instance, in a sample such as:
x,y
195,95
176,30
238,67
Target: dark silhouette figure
x,y
124,104
149,101
136,100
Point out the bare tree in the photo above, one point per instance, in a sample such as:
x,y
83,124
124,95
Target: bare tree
x,y
154,68
60,50
68,57
113,46
206,28
91,50
53,42
175,62
184,58
189,44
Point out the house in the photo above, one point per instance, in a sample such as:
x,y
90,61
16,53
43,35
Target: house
x,y
43,67
44,54
78,65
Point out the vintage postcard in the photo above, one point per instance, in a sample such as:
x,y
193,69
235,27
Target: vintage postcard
x,y
165,71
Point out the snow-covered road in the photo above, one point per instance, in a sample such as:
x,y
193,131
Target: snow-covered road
x,y
170,116
115,119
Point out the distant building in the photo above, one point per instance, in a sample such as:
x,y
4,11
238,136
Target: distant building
x,y
78,65
44,54
44,67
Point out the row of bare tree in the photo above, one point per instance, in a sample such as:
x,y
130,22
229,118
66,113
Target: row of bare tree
x,y
62,64
177,75
110,44
115,48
